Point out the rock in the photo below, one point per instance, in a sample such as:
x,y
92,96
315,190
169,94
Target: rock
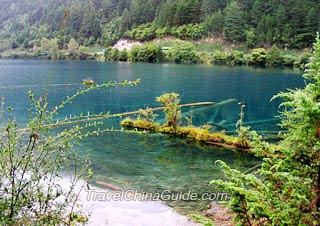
x,y
219,214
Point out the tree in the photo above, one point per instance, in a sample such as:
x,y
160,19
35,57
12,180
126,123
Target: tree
x,y
274,58
73,45
233,23
183,52
214,24
208,7
258,57
172,110
286,190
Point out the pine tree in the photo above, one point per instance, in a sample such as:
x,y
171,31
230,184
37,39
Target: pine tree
x,y
233,23
286,190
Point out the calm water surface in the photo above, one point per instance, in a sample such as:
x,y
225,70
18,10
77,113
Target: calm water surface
x,y
153,162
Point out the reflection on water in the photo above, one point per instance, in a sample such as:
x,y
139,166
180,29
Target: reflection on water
x,y
153,162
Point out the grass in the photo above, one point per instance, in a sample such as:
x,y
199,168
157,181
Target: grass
x,y
202,220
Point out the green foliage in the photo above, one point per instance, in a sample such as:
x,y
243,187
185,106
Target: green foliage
x,y
73,45
288,61
123,55
274,58
147,115
235,58
183,52
250,37
233,22
133,53
202,220
111,54
291,23
189,31
223,58
147,53
213,25
258,57
302,61
243,131
172,110
285,190
32,158
144,32
162,32
219,57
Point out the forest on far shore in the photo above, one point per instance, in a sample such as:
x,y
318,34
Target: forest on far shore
x,y
254,23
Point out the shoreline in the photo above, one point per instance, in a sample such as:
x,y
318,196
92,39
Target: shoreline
x,y
125,212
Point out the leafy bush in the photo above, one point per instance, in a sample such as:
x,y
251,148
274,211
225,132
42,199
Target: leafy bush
x,y
111,54
162,32
302,61
219,58
274,58
133,53
285,190
188,31
258,57
288,60
183,52
172,110
144,32
123,55
235,58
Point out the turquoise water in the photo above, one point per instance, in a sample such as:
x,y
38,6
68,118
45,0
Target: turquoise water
x,y
152,162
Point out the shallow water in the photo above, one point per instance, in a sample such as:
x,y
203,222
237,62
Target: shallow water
x,y
153,162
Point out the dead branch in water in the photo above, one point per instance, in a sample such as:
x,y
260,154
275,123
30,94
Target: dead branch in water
x,y
98,118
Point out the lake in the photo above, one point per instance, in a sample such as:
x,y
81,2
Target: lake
x,y
153,162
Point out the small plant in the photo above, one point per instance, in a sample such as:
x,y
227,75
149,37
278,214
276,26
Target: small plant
x,y
88,81
243,131
147,115
202,220
172,110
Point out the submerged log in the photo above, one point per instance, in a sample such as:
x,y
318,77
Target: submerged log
x,y
256,122
207,108
218,125
245,149
108,116
110,186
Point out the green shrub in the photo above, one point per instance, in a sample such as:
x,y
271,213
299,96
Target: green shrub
x,y
123,55
111,54
133,53
258,57
285,190
274,58
183,52
171,102
302,61
143,32
288,61
219,58
235,58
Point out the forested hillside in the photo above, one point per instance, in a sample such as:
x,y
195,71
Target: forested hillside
x,y
286,23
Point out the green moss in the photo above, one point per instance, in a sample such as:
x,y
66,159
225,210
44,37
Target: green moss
x,y
167,129
140,124
196,133
127,122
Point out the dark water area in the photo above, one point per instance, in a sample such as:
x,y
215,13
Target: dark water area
x,y
153,162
